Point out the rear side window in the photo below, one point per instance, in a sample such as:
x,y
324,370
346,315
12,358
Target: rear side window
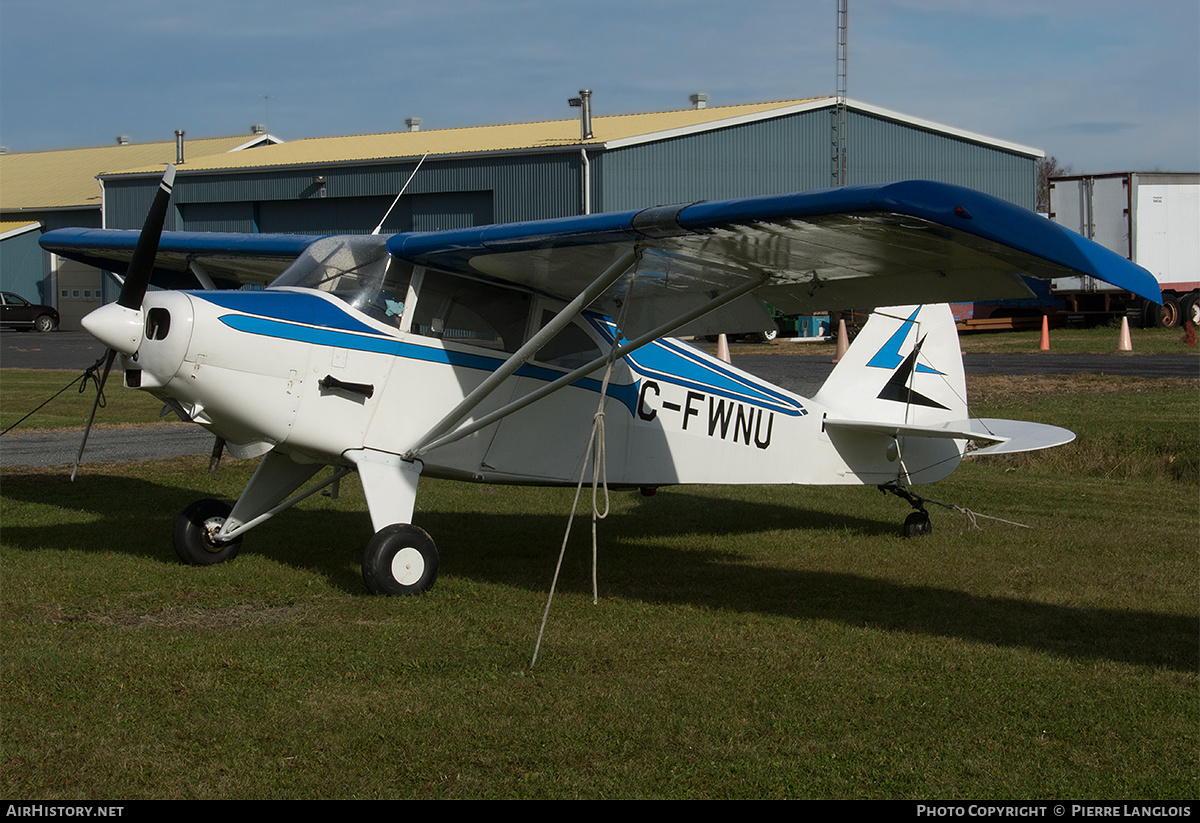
x,y
570,348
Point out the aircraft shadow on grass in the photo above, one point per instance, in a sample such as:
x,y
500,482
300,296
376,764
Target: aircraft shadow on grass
x,y
638,560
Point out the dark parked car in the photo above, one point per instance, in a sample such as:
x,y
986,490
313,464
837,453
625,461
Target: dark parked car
x,y
18,313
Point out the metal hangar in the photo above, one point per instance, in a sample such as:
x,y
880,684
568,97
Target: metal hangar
x,y
528,171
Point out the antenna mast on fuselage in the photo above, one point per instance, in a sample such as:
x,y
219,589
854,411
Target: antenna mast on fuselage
x,y
401,194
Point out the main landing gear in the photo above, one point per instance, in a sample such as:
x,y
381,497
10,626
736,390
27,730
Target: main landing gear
x,y
400,559
195,534
917,524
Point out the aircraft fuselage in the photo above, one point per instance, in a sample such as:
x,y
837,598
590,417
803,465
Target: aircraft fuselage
x,y
302,372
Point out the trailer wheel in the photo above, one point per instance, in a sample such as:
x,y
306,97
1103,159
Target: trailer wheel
x,y
1167,315
1189,309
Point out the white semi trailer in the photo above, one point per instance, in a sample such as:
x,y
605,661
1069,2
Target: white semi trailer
x,y
1152,219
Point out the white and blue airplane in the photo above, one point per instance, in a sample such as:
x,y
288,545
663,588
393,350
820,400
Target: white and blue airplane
x,y
488,354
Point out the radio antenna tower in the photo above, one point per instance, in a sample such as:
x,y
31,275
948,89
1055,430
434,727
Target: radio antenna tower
x,y
839,108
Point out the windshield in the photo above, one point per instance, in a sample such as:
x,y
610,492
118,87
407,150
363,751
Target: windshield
x,y
359,270
356,268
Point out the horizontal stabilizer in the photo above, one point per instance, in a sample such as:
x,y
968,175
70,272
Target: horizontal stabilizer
x,y
999,436
1020,436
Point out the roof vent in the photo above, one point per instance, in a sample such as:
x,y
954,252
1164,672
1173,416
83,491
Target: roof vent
x,y
258,128
413,123
123,140
178,147
699,101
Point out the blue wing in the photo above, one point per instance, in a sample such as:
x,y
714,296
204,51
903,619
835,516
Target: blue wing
x,y
231,260
853,247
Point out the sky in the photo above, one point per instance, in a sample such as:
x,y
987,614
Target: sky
x,y
1100,85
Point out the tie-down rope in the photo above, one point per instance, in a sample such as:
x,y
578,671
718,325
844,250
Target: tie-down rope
x,y
971,518
918,502
595,451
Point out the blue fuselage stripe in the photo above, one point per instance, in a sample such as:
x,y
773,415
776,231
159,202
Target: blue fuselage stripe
x,y
676,362
335,338
307,318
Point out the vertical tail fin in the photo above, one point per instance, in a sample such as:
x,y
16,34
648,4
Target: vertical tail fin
x,y
905,366
901,377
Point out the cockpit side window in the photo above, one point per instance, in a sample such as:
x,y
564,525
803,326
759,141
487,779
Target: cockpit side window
x,y
466,311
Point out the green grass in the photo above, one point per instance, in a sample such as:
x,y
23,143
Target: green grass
x,y
749,642
1078,340
1066,340
23,390
1126,428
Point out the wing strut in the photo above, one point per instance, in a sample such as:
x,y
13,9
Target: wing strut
x,y
428,443
206,281
531,347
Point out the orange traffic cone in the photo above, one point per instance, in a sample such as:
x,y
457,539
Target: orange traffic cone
x,y
1044,345
723,348
1124,343
843,342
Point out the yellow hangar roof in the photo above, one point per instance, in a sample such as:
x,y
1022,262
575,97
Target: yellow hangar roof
x,y
9,228
66,178
608,132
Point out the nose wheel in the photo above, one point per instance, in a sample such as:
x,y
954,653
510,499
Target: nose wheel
x,y
400,559
195,534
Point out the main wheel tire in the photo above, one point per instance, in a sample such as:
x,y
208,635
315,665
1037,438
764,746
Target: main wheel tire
x,y
918,524
45,322
194,530
400,559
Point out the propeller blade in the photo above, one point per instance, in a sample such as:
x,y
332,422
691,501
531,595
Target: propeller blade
x,y
108,362
141,265
133,291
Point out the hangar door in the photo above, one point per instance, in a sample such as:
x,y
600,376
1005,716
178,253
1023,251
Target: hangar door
x,y
80,291
359,215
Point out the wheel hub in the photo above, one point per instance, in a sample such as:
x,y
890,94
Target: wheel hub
x,y
212,527
407,566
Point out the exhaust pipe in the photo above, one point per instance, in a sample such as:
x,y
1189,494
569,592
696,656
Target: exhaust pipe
x,y
584,103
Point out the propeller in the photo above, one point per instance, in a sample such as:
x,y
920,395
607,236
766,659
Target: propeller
x,y
120,325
